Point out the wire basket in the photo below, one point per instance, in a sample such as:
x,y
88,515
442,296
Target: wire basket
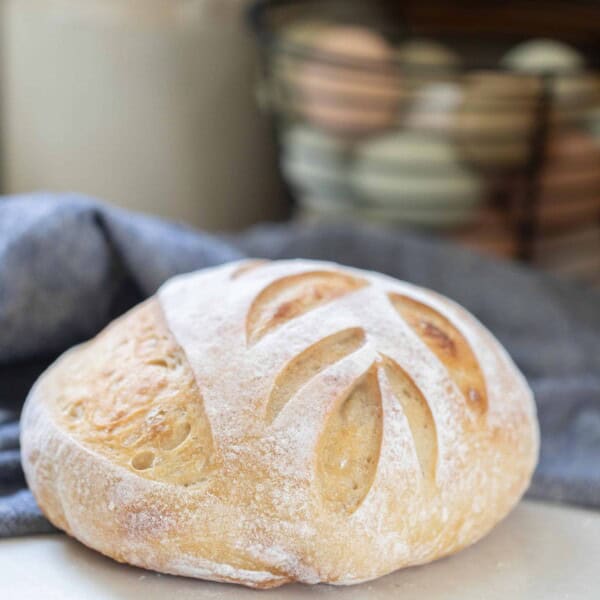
x,y
442,121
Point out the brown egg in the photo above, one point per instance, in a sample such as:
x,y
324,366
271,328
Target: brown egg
x,y
570,180
491,233
348,83
496,120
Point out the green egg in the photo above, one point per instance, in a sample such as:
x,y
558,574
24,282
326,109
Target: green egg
x,y
316,164
417,176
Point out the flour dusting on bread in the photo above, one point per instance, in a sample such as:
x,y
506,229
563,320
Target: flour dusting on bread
x,y
266,422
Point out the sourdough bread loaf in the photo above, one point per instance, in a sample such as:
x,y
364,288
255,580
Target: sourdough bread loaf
x,y
267,422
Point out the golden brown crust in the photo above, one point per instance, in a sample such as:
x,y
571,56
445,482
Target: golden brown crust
x,y
268,422
131,396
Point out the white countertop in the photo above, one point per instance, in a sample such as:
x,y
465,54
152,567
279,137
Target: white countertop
x,y
540,552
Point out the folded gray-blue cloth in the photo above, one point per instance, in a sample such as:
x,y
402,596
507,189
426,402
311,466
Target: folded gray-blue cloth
x,y
69,265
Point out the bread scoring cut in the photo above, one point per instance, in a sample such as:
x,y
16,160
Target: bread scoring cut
x,y
265,422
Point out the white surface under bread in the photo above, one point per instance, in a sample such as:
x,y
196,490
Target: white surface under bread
x,y
539,551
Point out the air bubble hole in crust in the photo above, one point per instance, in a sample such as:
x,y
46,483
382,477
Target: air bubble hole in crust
x,y
75,410
142,461
138,403
158,362
176,436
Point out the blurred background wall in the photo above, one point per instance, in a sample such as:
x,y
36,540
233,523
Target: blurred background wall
x,y
145,103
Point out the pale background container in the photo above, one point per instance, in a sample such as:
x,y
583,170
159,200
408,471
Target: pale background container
x,y
145,103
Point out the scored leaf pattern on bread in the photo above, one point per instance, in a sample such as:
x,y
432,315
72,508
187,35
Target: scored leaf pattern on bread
x,y
347,461
418,414
349,447
449,345
292,296
155,423
309,364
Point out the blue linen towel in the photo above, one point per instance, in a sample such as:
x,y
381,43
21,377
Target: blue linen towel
x,y
68,265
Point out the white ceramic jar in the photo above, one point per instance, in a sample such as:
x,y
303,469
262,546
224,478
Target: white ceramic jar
x,y
145,103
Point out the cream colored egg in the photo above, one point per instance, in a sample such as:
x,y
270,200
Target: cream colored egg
x,y
418,177
433,108
316,166
349,84
543,55
496,120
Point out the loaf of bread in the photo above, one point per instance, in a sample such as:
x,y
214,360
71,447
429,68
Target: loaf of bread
x,y
267,422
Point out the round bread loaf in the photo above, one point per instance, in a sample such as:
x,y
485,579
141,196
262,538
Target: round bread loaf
x,y
268,422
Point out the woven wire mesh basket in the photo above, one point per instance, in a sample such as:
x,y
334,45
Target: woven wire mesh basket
x,y
456,122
